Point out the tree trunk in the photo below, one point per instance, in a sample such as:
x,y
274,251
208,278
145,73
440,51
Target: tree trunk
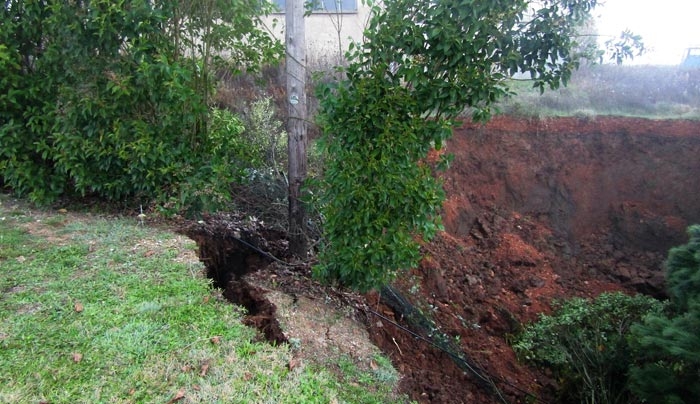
x,y
295,40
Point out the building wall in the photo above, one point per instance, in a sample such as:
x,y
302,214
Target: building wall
x,y
324,30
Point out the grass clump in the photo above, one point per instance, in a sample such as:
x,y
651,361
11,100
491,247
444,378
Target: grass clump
x,y
105,310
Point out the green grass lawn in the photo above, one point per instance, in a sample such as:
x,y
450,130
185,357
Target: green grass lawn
x,y
103,310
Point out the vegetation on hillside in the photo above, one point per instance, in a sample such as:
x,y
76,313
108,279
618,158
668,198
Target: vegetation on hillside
x,y
658,92
622,349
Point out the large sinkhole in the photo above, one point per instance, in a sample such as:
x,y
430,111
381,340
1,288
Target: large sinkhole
x,y
231,247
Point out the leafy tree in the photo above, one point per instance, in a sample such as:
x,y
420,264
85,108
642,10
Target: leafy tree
x,y
668,344
585,343
422,63
113,98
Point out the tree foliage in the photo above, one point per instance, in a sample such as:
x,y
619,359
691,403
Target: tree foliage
x,y
668,344
113,97
421,64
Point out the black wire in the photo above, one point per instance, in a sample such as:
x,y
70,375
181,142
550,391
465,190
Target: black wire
x,y
261,252
489,377
403,303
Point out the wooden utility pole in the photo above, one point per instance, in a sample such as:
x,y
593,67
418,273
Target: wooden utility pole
x,y
295,40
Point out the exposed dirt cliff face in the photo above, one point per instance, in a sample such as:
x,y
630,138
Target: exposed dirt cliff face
x,y
539,210
613,191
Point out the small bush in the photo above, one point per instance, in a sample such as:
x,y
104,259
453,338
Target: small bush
x,y
265,137
260,162
584,342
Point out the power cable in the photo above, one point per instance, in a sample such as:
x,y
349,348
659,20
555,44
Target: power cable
x,y
261,252
486,378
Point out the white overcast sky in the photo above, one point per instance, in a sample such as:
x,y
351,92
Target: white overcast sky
x,y
667,26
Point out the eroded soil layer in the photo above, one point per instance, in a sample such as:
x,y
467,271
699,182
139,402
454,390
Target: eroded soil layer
x,y
616,193
539,210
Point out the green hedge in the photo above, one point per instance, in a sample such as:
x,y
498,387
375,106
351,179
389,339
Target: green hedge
x,y
107,99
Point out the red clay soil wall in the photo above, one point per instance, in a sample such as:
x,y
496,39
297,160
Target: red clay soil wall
x,y
539,210
616,192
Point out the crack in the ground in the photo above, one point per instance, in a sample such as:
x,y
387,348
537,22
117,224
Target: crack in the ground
x,y
229,249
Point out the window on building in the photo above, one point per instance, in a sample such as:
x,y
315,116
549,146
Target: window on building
x,y
324,6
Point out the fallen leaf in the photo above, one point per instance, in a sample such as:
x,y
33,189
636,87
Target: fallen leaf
x,y
77,357
373,365
196,387
62,211
247,376
216,340
206,299
21,259
205,368
78,307
294,363
132,392
148,253
178,396
186,368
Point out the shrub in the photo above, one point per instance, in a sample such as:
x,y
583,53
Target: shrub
x,y
134,122
25,114
584,342
265,139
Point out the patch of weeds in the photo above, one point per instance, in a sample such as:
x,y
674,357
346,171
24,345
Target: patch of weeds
x,y
14,243
415,282
295,344
55,221
384,371
368,386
